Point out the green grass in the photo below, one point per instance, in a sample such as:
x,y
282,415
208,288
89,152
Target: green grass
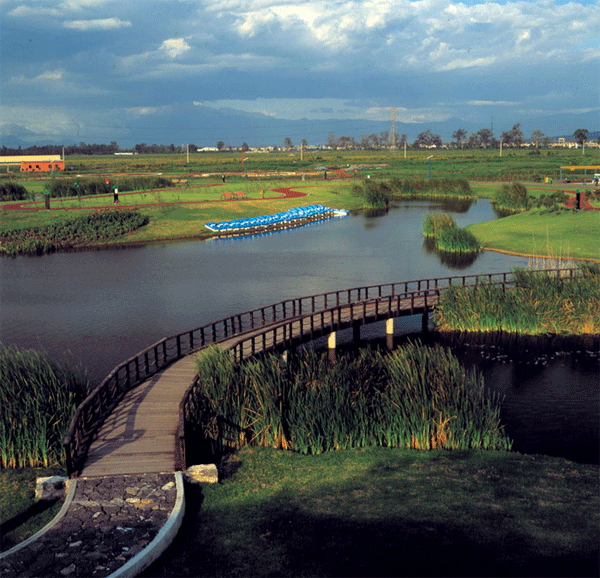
x,y
561,234
389,512
20,514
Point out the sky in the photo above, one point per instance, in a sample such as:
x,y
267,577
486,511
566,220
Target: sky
x,y
148,70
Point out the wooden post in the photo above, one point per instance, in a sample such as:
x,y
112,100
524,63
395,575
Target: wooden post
x,y
425,322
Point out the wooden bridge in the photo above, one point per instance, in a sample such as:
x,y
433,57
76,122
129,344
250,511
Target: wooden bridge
x,y
135,420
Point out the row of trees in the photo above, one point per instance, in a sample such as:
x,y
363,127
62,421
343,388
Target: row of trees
x,y
481,139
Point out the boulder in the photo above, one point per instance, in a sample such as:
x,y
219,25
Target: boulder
x,y
207,473
52,488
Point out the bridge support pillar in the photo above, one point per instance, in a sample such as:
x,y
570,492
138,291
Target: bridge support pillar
x,y
425,322
389,326
356,333
332,340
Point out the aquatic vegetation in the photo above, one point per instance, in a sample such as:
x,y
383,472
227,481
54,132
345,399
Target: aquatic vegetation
x,y
538,303
415,397
39,398
511,198
447,236
70,233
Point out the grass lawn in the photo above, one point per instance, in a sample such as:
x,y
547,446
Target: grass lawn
x,y
21,515
180,212
380,512
563,234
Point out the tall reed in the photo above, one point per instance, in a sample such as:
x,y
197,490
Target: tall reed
x,y
416,397
539,303
39,398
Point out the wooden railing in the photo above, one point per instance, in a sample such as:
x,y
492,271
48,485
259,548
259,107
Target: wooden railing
x,y
280,320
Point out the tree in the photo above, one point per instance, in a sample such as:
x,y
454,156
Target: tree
x,y
303,143
514,136
331,141
484,136
288,144
537,136
384,137
245,147
220,145
427,138
581,135
459,136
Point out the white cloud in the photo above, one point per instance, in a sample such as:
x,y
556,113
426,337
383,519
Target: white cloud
x,y
138,111
98,24
174,47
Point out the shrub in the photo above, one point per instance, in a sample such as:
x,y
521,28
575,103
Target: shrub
x,y
13,192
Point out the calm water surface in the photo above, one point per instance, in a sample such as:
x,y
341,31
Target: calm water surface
x,y
101,307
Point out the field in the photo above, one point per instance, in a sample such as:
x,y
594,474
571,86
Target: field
x,y
196,197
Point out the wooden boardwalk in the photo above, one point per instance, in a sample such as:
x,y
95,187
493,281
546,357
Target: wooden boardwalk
x,y
140,435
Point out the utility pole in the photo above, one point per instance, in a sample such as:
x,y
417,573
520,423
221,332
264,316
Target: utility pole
x,y
393,127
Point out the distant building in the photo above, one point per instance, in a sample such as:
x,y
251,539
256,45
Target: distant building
x,y
34,163
42,166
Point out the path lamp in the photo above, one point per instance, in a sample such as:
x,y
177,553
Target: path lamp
x,y
429,159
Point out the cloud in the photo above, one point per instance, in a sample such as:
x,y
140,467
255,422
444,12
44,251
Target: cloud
x,y
99,24
174,47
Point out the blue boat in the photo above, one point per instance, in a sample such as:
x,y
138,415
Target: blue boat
x,y
287,219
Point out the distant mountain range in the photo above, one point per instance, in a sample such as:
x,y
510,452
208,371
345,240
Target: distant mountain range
x,y
204,126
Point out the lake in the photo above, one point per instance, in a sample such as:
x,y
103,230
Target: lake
x,y
100,307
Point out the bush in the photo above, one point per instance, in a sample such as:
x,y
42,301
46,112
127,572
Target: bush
x,y
13,192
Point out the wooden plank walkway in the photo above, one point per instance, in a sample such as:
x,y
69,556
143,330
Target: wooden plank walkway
x,y
140,435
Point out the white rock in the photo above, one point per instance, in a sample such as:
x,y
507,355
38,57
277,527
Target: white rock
x,y
204,473
51,488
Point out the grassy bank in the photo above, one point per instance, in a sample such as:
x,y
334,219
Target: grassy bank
x,y
382,512
21,515
557,234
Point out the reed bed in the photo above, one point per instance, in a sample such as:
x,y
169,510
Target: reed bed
x,y
511,198
415,397
447,236
70,233
457,188
39,398
435,223
540,303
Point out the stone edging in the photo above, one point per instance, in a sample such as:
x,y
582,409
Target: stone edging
x,y
162,540
71,486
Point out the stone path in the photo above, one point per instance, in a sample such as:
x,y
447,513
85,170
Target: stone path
x,y
109,521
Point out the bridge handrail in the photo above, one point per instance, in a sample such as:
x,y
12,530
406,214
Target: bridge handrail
x,y
101,401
